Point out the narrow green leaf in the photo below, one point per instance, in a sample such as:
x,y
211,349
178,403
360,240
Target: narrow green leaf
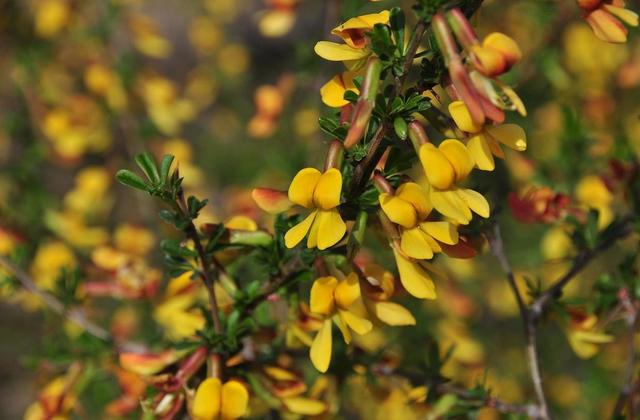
x,y
132,180
165,166
148,165
400,127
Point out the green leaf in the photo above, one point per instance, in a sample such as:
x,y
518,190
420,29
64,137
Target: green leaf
x,y
128,178
148,165
396,21
400,127
165,166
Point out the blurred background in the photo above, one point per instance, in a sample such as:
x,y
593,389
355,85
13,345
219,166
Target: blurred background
x,y
231,87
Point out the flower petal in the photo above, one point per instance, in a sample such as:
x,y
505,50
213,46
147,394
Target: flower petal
x,y
460,114
414,194
331,228
304,406
414,279
393,314
458,156
327,192
437,167
333,91
339,52
357,323
511,135
235,399
476,202
398,210
450,205
303,185
322,295
442,231
298,232
347,291
320,352
270,200
207,401
414,243
479,150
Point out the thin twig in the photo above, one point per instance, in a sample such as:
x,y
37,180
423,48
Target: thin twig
x,y
529,326
76,315
626,393
624,228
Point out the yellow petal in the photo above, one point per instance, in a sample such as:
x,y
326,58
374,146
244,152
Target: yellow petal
x,y
298,232
393,314
304,406
348,291
322,295
357,323
320,352
339,52
414,194
280,374
606,27
333,91
398,210
235,399
414,279
241,222
206,403
327,192
627,16
414,243
437,167
476,202
460,114
505,45
450,205
342,326
303,185
479,150
331,228
270,200
312,239
511,135
458,156
443,231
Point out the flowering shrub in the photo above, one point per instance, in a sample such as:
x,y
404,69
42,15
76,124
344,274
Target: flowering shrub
x,y
393,235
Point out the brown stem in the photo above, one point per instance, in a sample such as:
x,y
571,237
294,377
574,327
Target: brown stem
x,y
528,322
625,227
626,393
192,233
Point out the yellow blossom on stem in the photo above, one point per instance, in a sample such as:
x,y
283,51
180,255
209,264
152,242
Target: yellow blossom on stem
x,y
319,192
584,335
485,140
606,18
409,208
214,400
340,301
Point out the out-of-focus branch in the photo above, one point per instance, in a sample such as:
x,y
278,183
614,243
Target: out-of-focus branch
x,y
625,398
76,315
528,322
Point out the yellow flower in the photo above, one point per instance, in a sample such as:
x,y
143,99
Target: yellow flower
x,y
214,400
444,166
592,192
353,53
320,192
333,91
414,277
51,16
57,399
378,288
585,337
605,18
496,55
410,208
147,37
485,140
340,301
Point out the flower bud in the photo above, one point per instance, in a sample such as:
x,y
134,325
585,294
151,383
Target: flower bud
x,y
366,102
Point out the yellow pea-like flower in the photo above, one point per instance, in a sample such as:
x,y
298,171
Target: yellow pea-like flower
x,y
409,208
214,400
319,192
484,142
339,302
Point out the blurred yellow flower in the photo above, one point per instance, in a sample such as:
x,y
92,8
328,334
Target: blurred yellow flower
x,y
214,400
